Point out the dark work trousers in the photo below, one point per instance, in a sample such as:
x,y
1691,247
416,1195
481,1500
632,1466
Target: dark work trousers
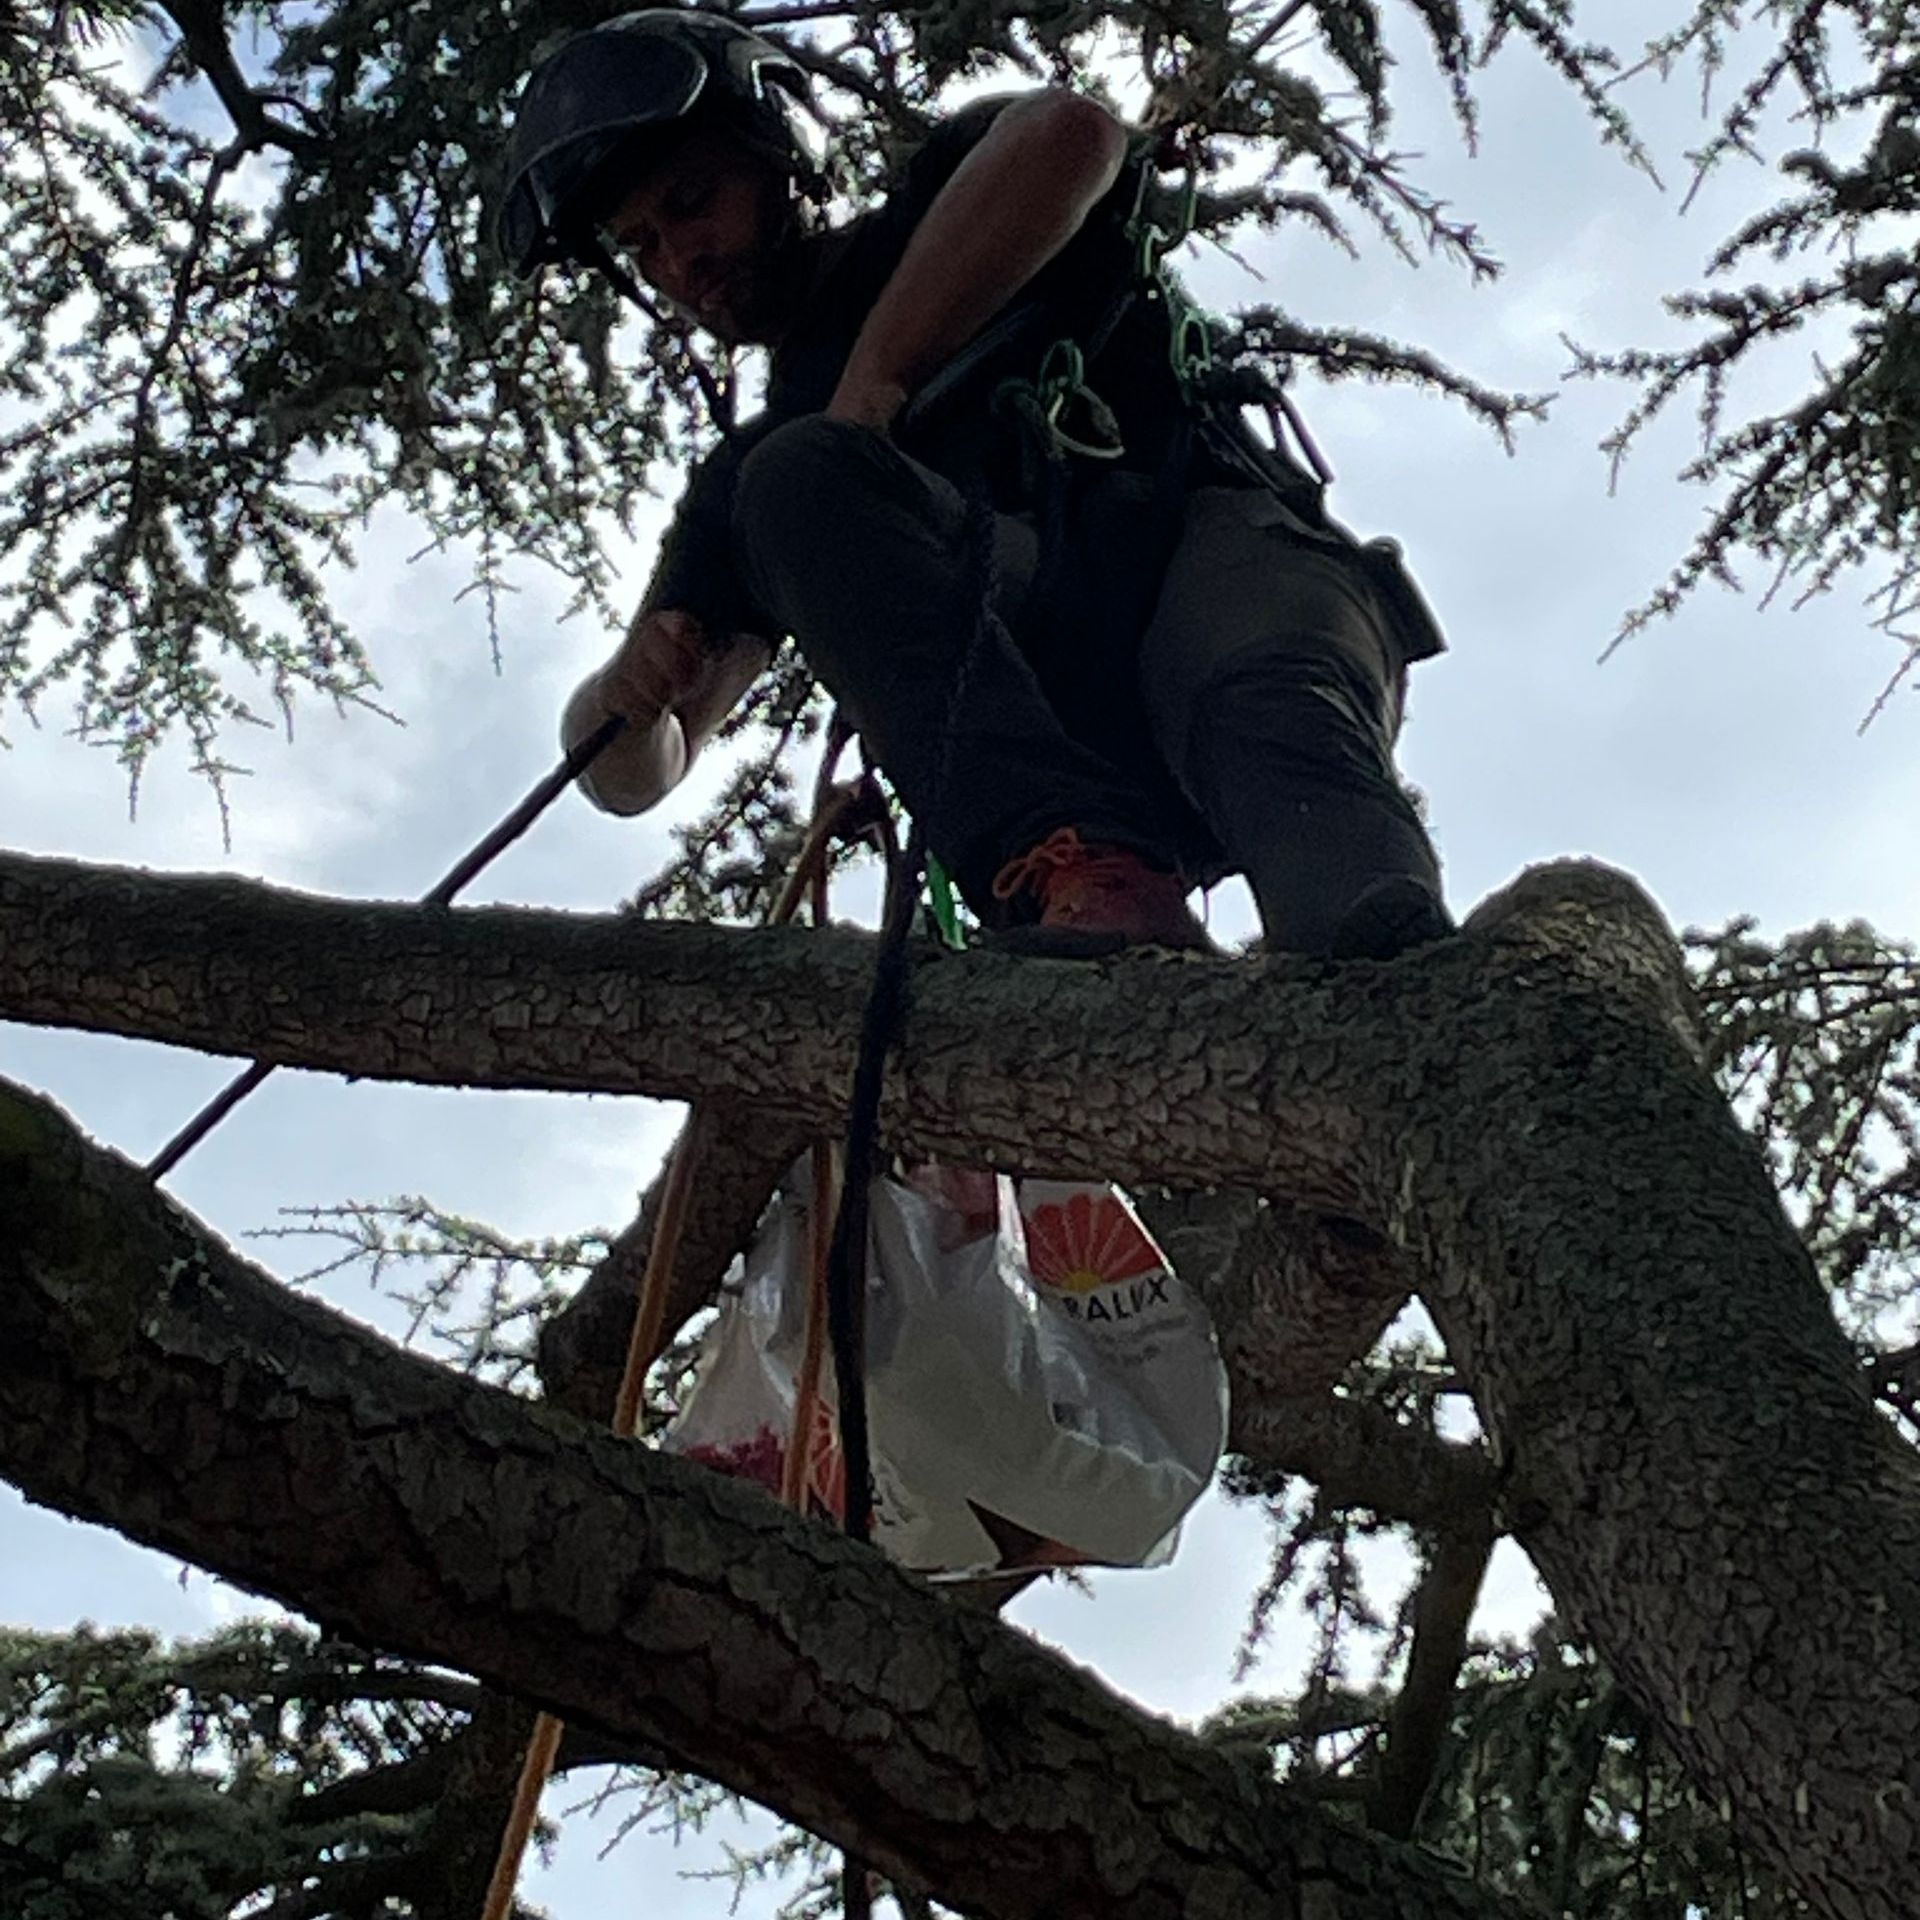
x,y
1265,682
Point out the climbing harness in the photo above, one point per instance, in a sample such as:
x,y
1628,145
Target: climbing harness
x,y
1062,376
1059,414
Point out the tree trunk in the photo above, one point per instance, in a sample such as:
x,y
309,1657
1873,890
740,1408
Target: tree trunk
x,y
1681,1438
151,1380
1688,1446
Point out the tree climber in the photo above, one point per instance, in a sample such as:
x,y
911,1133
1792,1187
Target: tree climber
x,y
1171,666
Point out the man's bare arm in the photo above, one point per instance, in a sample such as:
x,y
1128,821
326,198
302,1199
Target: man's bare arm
x,y
675,689
1011,205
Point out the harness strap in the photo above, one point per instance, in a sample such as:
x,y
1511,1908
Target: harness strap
x,y
1042,408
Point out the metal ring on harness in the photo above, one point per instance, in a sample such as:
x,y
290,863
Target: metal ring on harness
x,y
1190,348
1061,383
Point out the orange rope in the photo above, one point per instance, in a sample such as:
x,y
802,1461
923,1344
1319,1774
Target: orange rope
x,y
543,1746
806,1397
656,1283
535,1771
834,806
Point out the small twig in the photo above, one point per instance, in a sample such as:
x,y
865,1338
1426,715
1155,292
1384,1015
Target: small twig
x,y
1278,24
203,36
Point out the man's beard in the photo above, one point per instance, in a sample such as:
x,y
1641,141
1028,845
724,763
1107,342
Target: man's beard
x,y
757,295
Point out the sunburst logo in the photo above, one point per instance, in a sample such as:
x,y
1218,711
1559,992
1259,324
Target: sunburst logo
x,y
1086,1241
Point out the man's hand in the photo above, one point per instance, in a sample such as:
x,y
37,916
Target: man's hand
x,y
648,757
659,667
674,687
870,403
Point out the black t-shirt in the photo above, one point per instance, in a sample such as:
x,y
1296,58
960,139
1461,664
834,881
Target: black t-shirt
x,y
958,434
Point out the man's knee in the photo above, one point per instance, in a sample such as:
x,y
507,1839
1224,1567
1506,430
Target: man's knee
x,y
794,487
1310,717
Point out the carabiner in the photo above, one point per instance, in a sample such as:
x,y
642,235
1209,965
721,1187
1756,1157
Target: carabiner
x,y
1056,381
1190,347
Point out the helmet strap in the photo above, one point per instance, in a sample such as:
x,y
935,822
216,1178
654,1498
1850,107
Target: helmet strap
x,y
591,251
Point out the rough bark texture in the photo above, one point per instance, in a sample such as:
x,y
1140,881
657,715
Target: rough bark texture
x,y
1683,1443
1689,1453
151,1380
1297,1297
1359,1455
1109,1069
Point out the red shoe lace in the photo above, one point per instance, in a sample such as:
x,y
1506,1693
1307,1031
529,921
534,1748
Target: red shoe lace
x,y
1063,852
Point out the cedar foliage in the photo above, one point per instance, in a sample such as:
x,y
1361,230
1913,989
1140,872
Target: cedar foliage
x,y
1829,483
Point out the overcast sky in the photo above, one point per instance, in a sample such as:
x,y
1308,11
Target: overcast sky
x,y
1717,759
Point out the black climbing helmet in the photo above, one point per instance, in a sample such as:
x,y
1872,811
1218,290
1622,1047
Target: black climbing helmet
x,y
583,106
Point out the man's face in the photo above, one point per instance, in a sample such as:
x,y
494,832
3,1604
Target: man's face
x,y
703,226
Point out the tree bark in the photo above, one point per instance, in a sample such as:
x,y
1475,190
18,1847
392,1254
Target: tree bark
x,y
1682,1439
1688,1451
1105,1070
151,1380
1416,1729
1297,1297
1359,1455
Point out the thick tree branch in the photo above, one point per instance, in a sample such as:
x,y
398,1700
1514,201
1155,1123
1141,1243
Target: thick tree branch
x,y
462,1840
1442,1612
1359,1455
1686,1447
394,1787
1108,1070
583,1348
152,1380
1297,1297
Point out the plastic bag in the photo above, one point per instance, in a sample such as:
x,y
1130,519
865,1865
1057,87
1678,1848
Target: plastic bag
x,y
1041,1389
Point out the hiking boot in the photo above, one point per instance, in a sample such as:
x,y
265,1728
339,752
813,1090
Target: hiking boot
x,y
1390,917
1095,900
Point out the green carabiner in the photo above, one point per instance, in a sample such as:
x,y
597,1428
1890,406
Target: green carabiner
x,y
940,903
1190,347
1061,382
1153,247
1100,418
1056,382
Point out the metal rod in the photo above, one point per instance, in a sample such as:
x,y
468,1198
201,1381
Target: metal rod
x,y
575,761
